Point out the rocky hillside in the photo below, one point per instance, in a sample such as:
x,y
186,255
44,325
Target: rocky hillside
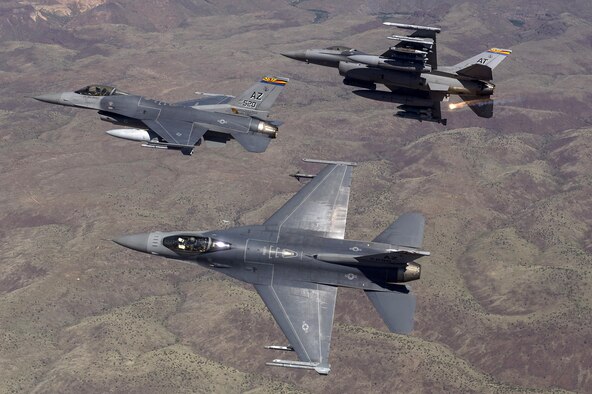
x,y
505,300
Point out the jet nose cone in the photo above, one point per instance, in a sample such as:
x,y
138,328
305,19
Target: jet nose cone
x,y
137,242
296,55
52,98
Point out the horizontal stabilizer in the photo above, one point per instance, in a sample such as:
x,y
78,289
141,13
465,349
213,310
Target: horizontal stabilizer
x,y
477,71
391,257
439,87
252,142
407,230
396,308
276,123
482,106
215,144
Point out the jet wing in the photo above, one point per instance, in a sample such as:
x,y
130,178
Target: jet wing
x,y
321,205
430,111
177,133
304,312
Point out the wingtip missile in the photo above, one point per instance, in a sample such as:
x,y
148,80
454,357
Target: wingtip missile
x,y
298,176
412,27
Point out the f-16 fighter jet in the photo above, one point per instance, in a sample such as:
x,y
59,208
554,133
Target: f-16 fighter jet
x,y
298,258
410,70
214,118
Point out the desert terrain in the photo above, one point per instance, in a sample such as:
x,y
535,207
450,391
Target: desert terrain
x,y
504,302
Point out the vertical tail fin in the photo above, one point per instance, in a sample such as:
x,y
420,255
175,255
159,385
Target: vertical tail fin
x,y
481,65
261,96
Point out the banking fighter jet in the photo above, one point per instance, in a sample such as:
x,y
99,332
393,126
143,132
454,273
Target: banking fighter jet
x,y
411,72
214,118
298,258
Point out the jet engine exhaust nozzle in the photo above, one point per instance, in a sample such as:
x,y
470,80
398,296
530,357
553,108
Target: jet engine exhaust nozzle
x,y
267,129
406,273
488,89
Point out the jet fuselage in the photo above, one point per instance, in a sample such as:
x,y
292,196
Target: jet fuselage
x,y
254,253
131,110
214,118
436,80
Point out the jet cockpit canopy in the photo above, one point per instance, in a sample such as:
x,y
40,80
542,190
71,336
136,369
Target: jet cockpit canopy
x,y
193,244
341,49
100,90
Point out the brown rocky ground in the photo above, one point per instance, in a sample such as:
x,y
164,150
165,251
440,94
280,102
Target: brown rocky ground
x,y
504,304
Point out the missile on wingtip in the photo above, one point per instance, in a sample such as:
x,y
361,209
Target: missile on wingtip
x,y
300,176
412,27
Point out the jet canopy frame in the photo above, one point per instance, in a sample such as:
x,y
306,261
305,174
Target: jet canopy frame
x,y
193,244
342,49
100,91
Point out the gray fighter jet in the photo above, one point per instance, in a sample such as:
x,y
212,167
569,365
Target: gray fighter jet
x,y
214,118
298,258
410,70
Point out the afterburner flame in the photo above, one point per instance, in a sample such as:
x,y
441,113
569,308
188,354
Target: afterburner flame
x,y
463,104
457,105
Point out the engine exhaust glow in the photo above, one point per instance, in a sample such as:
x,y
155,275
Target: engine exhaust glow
x,y
464,104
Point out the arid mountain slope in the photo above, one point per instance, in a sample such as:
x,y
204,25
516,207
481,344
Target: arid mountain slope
x,y
505,300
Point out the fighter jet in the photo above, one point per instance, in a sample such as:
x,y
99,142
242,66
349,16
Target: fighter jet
x,y
410,70
214,118
298,258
